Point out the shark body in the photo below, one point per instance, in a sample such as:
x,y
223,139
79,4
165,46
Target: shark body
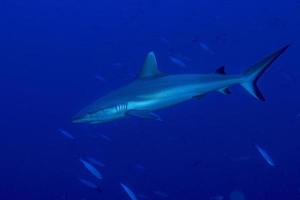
x,y
153,91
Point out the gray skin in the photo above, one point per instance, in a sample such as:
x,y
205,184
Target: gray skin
x,y
154,91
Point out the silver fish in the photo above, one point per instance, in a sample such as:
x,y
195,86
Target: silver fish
x,y
177,61
88,183
91,169
265,155
100,78
206,48
129,192
95,161
66,134
105,137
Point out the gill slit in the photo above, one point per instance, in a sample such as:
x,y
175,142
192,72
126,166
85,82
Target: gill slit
x,y
121,107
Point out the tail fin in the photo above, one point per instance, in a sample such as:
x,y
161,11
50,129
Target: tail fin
x,y
251,76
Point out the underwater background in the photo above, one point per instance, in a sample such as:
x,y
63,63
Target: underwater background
x,y
58,56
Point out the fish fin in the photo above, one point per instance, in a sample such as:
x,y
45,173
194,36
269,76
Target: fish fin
x,y
221,70
251,76
197,97
225,91
145,114
150,69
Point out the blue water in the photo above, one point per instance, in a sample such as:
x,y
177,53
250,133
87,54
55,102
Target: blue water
x,y
51,53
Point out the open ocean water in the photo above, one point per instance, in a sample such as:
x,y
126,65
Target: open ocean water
x,y
57,56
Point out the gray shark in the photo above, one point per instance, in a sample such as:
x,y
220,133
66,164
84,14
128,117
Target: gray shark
x,y
154,90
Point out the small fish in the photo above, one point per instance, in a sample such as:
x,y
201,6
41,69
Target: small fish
x,y
95,161
206,48
161,194
66,134
129,192
91,185
218,197
105,137
100,78
140,167
88,183
265,155
91,169
177,61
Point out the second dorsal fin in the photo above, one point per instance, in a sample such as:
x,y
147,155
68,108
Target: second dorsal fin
x,y
221,70
149,69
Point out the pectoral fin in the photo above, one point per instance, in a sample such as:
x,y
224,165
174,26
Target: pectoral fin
x,y
200,96
145,114
225,91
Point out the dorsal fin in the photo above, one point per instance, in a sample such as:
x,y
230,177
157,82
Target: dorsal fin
x,y
149,69
221,70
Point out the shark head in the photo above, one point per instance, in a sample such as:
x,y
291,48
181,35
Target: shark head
x,y
101,115
118,103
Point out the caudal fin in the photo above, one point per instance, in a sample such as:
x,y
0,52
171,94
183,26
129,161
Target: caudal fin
x,y
251,75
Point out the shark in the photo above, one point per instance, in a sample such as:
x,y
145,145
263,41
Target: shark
x,y
153,90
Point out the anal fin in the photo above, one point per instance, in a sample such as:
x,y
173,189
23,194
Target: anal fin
x,y
225,91
200,96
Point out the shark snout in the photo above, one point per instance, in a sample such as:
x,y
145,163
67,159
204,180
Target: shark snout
x,y
78,119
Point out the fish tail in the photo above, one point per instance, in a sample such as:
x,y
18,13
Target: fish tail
x,y
251,75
